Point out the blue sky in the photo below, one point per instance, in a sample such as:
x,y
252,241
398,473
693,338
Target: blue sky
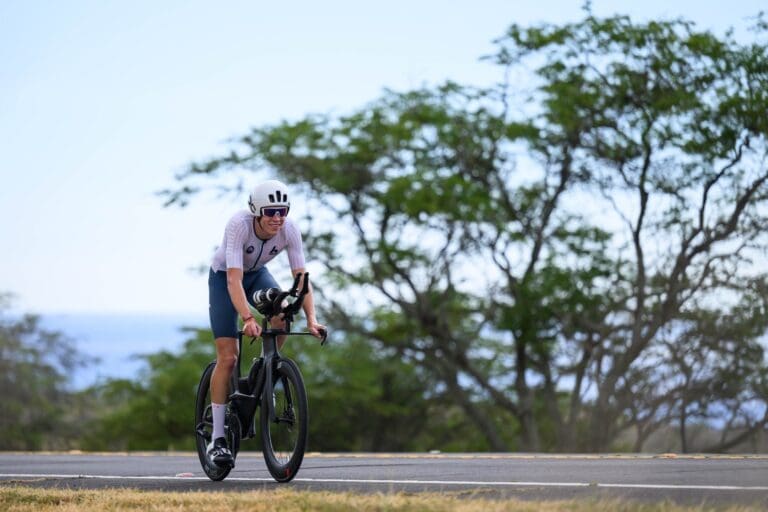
x,y
101,103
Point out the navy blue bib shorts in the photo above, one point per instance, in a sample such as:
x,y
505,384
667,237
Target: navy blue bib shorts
x,y
220,308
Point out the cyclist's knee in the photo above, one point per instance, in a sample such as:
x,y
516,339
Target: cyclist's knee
x,y
277,323
226,353
226,361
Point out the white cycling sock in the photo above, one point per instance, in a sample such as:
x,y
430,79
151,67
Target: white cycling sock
x,y
218,420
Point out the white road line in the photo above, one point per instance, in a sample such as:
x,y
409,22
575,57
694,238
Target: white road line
x,y
411,482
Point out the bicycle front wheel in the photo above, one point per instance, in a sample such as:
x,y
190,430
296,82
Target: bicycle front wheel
x,y
285,439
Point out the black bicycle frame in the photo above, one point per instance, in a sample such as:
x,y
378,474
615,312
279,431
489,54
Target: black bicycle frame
x,y
248,391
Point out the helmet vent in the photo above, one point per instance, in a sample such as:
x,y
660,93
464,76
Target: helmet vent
x,y
280,197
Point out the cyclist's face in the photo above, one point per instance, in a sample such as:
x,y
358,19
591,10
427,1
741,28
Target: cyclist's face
x,y
271,225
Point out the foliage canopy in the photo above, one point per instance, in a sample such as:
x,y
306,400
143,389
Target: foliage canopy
x,y
578,249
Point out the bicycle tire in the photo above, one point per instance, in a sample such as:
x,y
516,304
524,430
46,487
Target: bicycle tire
x,y
204,427
285,440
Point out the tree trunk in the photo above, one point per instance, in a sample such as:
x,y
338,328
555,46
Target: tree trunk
x,y
478,417
683,436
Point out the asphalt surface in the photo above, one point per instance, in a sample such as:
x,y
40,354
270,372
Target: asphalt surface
x,y
644,478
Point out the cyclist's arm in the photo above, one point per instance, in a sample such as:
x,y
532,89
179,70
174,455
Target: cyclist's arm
x,y
237,294
309,306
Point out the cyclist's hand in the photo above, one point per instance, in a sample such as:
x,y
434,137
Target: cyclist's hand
x,y
252,328
316,329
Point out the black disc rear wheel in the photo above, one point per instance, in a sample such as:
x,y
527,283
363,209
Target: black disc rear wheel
x,y
204,427
284,440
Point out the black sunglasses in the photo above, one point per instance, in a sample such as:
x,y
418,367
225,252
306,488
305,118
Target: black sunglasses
x,y
271,211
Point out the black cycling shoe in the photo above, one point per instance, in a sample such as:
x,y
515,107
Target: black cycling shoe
x,y
219,454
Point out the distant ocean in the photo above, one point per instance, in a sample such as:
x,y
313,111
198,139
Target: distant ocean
x,y
116,338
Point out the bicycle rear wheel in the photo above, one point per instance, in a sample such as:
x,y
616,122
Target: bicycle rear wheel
x,y
285,439
204,427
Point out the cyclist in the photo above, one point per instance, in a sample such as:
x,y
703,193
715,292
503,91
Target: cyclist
x,y
251,239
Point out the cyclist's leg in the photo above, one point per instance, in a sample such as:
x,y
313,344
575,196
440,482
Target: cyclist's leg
x,y
279,323
223,317
259,280
226,357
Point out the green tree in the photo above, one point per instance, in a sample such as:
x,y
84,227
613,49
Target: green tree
x,y
415,167
36,366
156,410
549,247
666,126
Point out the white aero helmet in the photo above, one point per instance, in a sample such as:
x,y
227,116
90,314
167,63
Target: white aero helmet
x,y
269,193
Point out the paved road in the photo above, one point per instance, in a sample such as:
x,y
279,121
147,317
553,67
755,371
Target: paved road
x,y
689,479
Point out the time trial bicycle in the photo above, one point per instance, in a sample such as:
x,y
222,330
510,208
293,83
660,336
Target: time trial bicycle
x,y
273,382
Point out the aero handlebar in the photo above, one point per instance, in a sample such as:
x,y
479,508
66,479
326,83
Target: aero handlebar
x,y
269,301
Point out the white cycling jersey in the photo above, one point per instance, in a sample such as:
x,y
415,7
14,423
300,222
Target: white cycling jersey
x,y
241,248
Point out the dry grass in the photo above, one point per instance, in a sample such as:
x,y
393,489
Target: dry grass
x,y
22,499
